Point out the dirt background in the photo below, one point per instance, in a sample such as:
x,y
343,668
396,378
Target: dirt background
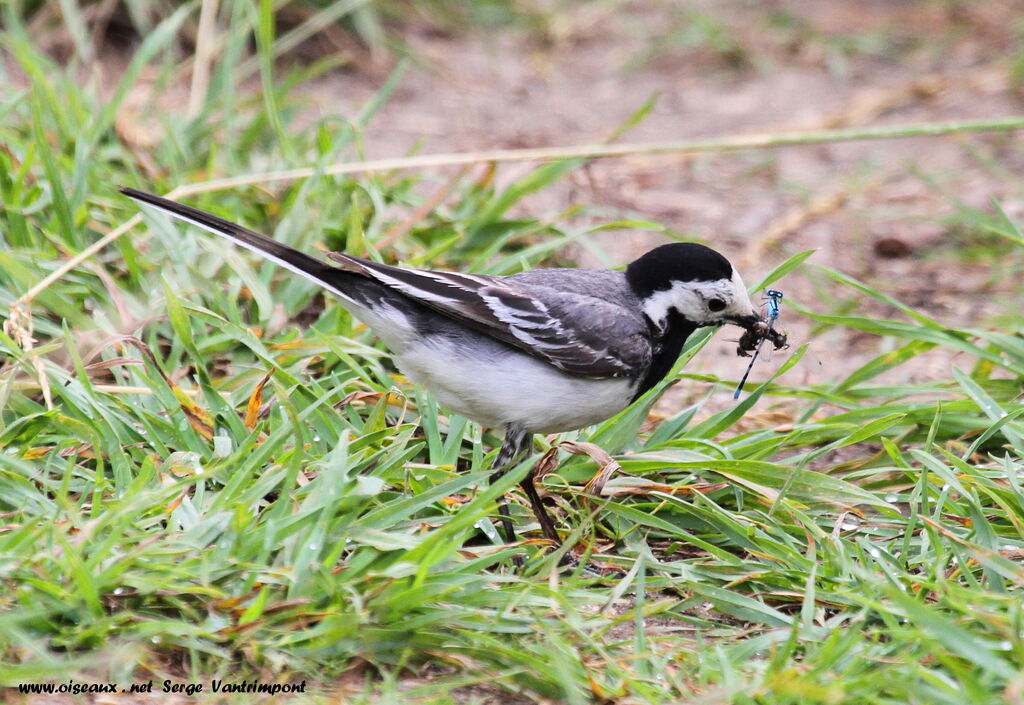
x,y
898,214
887,212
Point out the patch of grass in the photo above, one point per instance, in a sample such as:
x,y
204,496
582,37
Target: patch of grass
x,y
232,481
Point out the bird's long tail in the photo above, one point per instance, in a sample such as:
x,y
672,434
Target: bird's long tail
x,y
332,278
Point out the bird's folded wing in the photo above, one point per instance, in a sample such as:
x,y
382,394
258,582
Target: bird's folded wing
x,y
576,333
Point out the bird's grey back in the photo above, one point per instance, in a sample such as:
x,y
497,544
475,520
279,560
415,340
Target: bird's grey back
x,y
605,284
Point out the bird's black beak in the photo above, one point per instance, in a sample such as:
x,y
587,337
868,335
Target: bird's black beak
x,y
747,322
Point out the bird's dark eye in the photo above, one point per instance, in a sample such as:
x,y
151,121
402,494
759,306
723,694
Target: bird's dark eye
x,y
715,304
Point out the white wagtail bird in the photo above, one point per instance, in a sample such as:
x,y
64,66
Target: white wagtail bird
x,y
541,351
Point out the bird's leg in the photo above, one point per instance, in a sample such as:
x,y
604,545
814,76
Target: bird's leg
x,y
516,442
547,526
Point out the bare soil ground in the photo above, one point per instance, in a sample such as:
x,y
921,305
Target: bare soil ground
x,y
881,211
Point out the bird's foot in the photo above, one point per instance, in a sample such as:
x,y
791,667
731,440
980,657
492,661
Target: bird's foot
x,y
569,561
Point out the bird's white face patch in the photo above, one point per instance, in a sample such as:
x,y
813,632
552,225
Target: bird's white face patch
x,y
704,303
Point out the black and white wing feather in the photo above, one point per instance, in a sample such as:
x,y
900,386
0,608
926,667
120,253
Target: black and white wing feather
x,y
267,247
575,332
554,320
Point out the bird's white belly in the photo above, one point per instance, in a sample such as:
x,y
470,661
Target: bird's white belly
x,y
505,387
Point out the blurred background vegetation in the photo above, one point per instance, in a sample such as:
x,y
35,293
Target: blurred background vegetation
x,y
208,470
